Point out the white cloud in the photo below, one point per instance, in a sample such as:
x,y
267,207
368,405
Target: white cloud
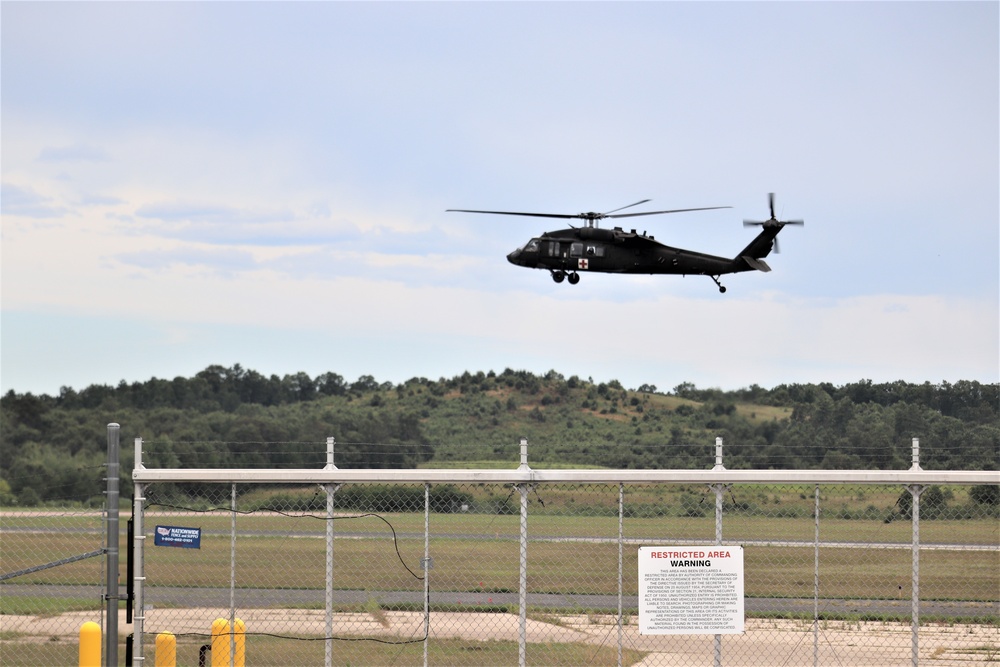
x,y
26,202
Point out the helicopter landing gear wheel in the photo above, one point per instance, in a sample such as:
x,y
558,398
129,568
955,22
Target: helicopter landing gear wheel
x,y
721,288
558,276
574,278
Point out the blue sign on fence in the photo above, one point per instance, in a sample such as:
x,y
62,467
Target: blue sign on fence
x,y
175,536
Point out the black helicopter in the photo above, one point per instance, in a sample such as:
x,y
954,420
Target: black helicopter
x,y
566,252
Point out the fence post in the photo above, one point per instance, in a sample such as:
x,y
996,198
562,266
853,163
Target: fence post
x,y
111,597
621,570
427,569
915,491
330,490
232,581
719,489
138,555
816,580
718,456
522,635
138,571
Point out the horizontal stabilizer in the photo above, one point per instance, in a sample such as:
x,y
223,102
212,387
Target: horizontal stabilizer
x,y
755,263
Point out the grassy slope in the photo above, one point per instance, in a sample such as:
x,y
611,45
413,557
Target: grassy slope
x,y
564,424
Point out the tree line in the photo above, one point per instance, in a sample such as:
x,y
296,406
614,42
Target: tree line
x,y
54,447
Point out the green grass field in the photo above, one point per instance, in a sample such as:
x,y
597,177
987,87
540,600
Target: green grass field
x,y
477,552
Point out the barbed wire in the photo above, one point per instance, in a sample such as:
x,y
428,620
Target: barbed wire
x,y
298,515
310,639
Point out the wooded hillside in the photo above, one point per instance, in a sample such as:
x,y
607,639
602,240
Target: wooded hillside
x,y
54,447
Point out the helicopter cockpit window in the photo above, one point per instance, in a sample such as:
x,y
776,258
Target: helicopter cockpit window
x,y
576,250
531,246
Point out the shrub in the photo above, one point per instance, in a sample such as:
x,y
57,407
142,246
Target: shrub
x,y
985,494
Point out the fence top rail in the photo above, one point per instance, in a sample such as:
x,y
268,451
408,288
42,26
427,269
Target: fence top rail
x,y
529,476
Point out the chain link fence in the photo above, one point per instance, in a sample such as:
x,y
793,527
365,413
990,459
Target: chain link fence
x,y
460,571
52,580
448,574
56,559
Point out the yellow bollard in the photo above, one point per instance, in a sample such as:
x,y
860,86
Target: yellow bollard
x,y
90,645
222,641
166,650
241,644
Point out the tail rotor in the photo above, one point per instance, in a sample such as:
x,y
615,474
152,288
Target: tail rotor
x,y
772,221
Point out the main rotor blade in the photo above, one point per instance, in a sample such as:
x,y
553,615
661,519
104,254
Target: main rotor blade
x,y
629,206
587,216
676,210
534,215
765,223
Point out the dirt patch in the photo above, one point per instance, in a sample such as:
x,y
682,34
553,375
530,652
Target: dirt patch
x,y
764,642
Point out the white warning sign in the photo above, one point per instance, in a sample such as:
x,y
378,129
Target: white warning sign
x,y
690,590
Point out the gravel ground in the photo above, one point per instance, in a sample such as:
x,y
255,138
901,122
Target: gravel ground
x,y
765,641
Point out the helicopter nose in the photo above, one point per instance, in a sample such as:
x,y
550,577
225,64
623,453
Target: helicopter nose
x,y
514,257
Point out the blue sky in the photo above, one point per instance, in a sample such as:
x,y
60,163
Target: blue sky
x,y
186,184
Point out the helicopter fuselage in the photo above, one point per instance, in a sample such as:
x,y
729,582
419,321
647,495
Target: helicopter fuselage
x,y
568,251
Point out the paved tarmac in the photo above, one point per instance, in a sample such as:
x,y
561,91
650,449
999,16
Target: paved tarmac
x,y
172,596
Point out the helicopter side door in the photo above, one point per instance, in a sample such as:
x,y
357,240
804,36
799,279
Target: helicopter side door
x,y
586,256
